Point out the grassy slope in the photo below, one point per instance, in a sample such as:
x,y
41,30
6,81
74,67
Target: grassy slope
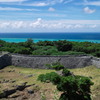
x,y
48,88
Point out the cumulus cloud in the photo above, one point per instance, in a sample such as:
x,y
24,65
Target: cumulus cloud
x,y
5,25
38,23
19,24
51,9
78,26
93,26
41,24
88,10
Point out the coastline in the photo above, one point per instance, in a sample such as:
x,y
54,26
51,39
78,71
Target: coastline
x,y
17,40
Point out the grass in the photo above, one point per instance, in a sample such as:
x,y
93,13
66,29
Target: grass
x,y
48,88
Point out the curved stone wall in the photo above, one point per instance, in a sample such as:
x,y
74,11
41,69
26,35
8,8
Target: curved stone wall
x,y
40,61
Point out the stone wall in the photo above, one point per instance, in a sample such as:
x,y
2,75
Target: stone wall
x,y
5,60
40,61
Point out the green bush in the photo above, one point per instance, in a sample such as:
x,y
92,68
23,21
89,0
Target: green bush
x,y
66,72
58,67
40,77
48,65
73,87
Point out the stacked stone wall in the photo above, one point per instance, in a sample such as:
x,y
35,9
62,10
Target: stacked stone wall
x,y
40,61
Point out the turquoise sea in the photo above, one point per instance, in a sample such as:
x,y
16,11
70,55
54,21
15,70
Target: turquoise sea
x,y
16,40
78,37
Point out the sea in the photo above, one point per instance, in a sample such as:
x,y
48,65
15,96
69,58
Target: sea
x,y
77,37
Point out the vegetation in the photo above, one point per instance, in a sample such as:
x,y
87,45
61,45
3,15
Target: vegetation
x,y
61,47
48,89
74,87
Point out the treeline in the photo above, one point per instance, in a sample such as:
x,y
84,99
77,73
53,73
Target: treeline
x,y
61,47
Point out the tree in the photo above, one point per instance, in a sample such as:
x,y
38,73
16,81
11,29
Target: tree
x,y
29,42
64,45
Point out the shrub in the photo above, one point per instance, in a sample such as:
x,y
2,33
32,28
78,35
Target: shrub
x,y
48,65
58,67
66,72
73,87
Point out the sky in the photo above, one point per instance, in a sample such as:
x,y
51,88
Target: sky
x,y
49,16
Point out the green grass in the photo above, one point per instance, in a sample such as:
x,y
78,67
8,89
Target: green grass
x,y
48,88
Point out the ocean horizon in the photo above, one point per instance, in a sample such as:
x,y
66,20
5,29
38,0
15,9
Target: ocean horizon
x,y
77,37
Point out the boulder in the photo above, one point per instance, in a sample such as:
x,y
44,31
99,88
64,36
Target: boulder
x,y
30,91
20,87
8,92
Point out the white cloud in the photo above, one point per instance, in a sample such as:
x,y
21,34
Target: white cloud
x,y
69,26
38,23
88,10
78,26
18,9
19,24
8,8
93,26
45,3
5,25
68,1
36,4
58,24
95,3
51,9
12,1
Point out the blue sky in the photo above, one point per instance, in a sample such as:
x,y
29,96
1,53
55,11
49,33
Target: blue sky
x,y
49,16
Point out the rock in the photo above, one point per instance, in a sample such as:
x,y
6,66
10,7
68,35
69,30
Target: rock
x,y
8,92
28,76
13,70
36,86
24,83
30,91
33,74
24,97
20,74
13,81
9,71
90,77
13,86
20,87
33,84
6,80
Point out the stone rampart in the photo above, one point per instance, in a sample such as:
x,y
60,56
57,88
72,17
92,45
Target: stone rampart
x,y
40,61
5,60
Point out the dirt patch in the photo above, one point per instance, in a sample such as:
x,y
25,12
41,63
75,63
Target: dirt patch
x,y
10,79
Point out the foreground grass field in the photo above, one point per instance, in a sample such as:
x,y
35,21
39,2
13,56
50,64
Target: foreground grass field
x,y
47,90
